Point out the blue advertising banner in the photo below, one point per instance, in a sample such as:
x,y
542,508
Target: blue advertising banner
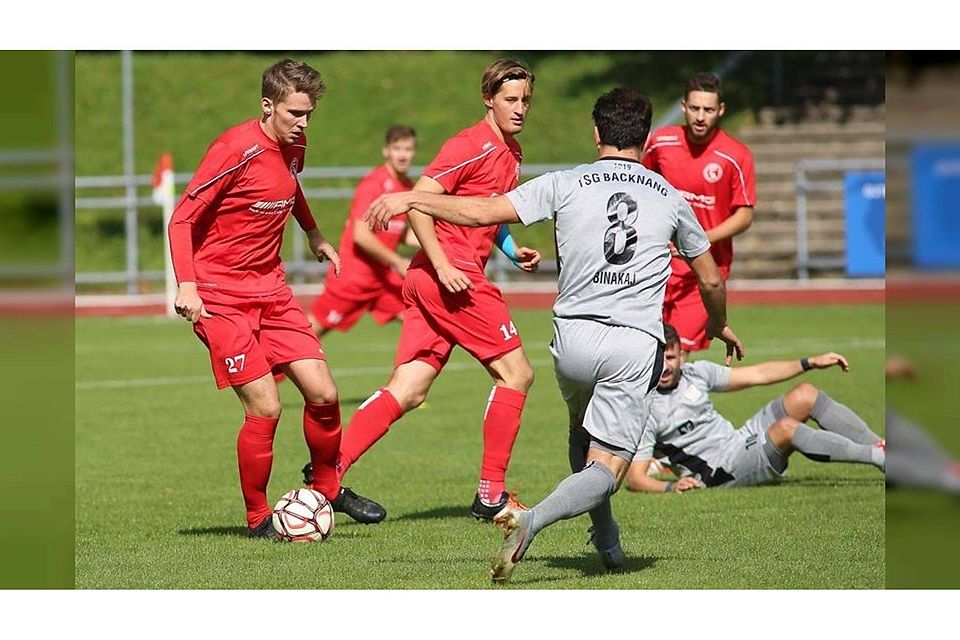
x,y
865,196
936,213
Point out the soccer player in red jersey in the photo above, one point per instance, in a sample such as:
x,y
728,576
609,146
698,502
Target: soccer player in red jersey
x,y
714,172
373,271
225,238
449,300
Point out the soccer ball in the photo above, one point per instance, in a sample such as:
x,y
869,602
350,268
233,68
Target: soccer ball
x,y
303,515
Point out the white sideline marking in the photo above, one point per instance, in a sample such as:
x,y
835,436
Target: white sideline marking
x,y
354,372
814,344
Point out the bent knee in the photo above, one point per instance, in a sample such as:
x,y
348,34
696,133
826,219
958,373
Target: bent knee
x,y
804,394
264,408
322,396
781,432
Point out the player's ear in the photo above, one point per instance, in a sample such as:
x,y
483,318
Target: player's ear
x,y
596,136
267,105
385,151
488,101
723,107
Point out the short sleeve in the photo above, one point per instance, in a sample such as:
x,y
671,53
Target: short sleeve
x,y
647,441
455,163
689,238
715,377
536,200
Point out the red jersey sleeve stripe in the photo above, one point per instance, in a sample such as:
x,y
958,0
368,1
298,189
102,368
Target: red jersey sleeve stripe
x,y
462,164
675,143
206,184
743,182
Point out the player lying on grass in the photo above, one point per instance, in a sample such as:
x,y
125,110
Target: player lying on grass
x,y
705,450
916,460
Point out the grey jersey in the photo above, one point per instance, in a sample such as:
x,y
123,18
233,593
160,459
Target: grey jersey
x,y
685,427
614,218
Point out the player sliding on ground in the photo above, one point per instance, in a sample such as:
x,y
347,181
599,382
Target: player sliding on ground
x,y
704,448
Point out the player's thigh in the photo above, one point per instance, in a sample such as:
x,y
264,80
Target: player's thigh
x,y
476,319
236,356
388,305
286,335
314,380
754,462
617,365
339,309
421,340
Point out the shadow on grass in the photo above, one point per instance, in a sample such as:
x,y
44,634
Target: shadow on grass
x,y
834,482
589,565
215,531
438,513
348,531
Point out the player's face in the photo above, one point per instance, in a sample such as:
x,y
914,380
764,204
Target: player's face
x,y
285,120
670,377
702,111
509,106
399,154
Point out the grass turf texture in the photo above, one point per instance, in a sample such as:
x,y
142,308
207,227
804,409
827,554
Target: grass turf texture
x,y
158,502
922,527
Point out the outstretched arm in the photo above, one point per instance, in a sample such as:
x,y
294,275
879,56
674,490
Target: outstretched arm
x,y
465,211
780,370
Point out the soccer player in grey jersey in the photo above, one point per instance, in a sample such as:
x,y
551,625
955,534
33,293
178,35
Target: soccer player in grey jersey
x,y
614,219
706,450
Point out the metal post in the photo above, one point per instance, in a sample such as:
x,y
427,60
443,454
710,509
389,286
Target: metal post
x,y
803,257
130,226
65,166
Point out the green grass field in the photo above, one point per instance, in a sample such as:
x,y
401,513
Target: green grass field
x,y
158,502
922,527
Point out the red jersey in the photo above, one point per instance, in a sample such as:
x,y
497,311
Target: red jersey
x,y
357,263
475,162
715,178
227,229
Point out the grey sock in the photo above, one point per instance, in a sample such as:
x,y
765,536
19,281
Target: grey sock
x,y
905,437
838,418
916,460
604,526
576,494
824,446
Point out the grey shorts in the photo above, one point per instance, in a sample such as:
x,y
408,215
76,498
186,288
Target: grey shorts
x,y
605,374
751,459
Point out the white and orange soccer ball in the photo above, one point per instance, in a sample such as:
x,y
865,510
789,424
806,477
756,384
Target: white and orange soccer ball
x,y
303,515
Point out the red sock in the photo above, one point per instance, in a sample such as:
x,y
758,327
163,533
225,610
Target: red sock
x,y
321,430
501,422
371,421
255,457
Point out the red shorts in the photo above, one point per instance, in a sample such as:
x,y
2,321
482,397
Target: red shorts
x,y
249,337
683,308
436,320
343,302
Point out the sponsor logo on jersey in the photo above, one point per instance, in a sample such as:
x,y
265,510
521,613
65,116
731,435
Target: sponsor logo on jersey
x,y
252,149
699,200
273,207
712,172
